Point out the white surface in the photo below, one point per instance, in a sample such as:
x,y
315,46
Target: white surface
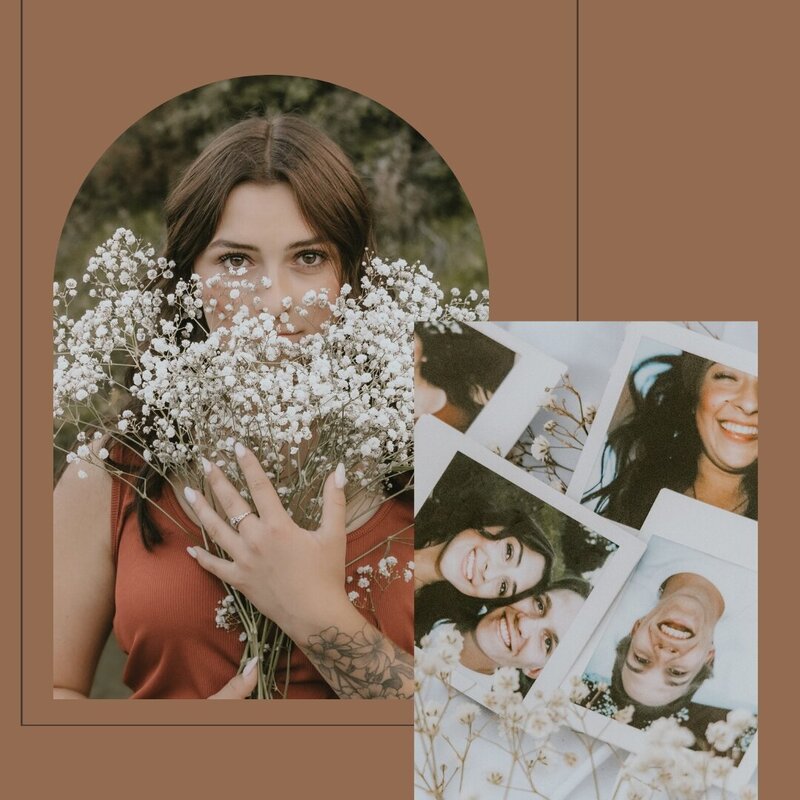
x,y
557,781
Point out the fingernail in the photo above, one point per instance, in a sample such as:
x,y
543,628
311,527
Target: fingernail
x,y
340,477
250,666
189,493
239,449
206,466
191,552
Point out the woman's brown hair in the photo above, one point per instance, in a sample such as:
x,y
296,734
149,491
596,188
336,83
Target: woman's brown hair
x,y
282,149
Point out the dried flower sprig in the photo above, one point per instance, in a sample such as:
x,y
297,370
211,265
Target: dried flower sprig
x,y
564,427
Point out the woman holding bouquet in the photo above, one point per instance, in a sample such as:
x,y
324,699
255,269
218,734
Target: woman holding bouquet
x,y
271,209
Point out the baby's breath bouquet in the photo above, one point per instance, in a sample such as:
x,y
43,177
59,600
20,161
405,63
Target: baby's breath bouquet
x,y
136,367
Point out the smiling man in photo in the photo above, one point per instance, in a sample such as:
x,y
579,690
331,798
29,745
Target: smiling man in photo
x,y
670,651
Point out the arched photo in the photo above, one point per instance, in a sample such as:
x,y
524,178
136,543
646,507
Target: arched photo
x,y
233,364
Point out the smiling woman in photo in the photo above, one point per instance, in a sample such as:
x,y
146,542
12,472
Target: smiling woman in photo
x,y
503,555
693,429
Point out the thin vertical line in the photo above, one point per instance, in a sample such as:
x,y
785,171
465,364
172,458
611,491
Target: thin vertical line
x,y
21,362
577,159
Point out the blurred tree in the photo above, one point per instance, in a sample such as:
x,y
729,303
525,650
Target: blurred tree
x,y
420,209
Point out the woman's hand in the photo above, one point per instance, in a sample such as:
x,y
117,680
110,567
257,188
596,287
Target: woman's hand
x,y
296,578
287,572
241,686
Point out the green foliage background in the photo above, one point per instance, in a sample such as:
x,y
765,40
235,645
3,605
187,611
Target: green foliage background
x,y
420,209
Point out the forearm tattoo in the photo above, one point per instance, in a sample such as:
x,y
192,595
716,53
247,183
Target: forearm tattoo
x,y
365,665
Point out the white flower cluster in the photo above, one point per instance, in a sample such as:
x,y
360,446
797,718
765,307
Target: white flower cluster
x,y
367,577
343,393
440,653
538,719
667,764
226,615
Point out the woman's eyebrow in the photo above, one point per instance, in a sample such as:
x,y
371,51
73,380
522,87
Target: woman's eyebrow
x,y
232,245
521,548
307,242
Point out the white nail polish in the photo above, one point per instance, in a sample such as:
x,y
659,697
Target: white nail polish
x,y
191,552
189,494
206,466
250,666
239,449
340,477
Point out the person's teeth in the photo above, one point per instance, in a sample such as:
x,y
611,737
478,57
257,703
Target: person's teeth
x,y
675,633
504,632
470,565
743,430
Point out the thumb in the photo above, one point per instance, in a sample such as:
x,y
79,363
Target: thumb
x,y
241,686
334,505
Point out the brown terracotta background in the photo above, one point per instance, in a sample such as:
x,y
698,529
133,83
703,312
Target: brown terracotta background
x,y
688,208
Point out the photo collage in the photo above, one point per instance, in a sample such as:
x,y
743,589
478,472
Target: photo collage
x,y
586,514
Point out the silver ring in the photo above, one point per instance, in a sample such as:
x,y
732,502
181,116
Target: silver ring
x,y
235,521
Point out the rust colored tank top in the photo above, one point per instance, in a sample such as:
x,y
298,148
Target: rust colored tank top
x,y
165,604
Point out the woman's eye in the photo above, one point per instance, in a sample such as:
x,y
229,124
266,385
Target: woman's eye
x,y
548,644
311,258
640,659
539,605
234,260
677,673
503,589
509,551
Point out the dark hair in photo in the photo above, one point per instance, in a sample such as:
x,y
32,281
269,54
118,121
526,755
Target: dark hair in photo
x,y
281,149
657,445
441,600
642,714
463,362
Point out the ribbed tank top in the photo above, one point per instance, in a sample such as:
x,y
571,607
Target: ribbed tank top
x,y
165,604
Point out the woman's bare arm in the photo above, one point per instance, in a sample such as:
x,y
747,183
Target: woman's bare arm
x,y
83,578
296,578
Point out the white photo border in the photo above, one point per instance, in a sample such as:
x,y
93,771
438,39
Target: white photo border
x,y
663,333
519,397
740,549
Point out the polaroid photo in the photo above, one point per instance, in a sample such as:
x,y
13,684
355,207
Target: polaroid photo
x,y
681,639
680,412
522,572
480,380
